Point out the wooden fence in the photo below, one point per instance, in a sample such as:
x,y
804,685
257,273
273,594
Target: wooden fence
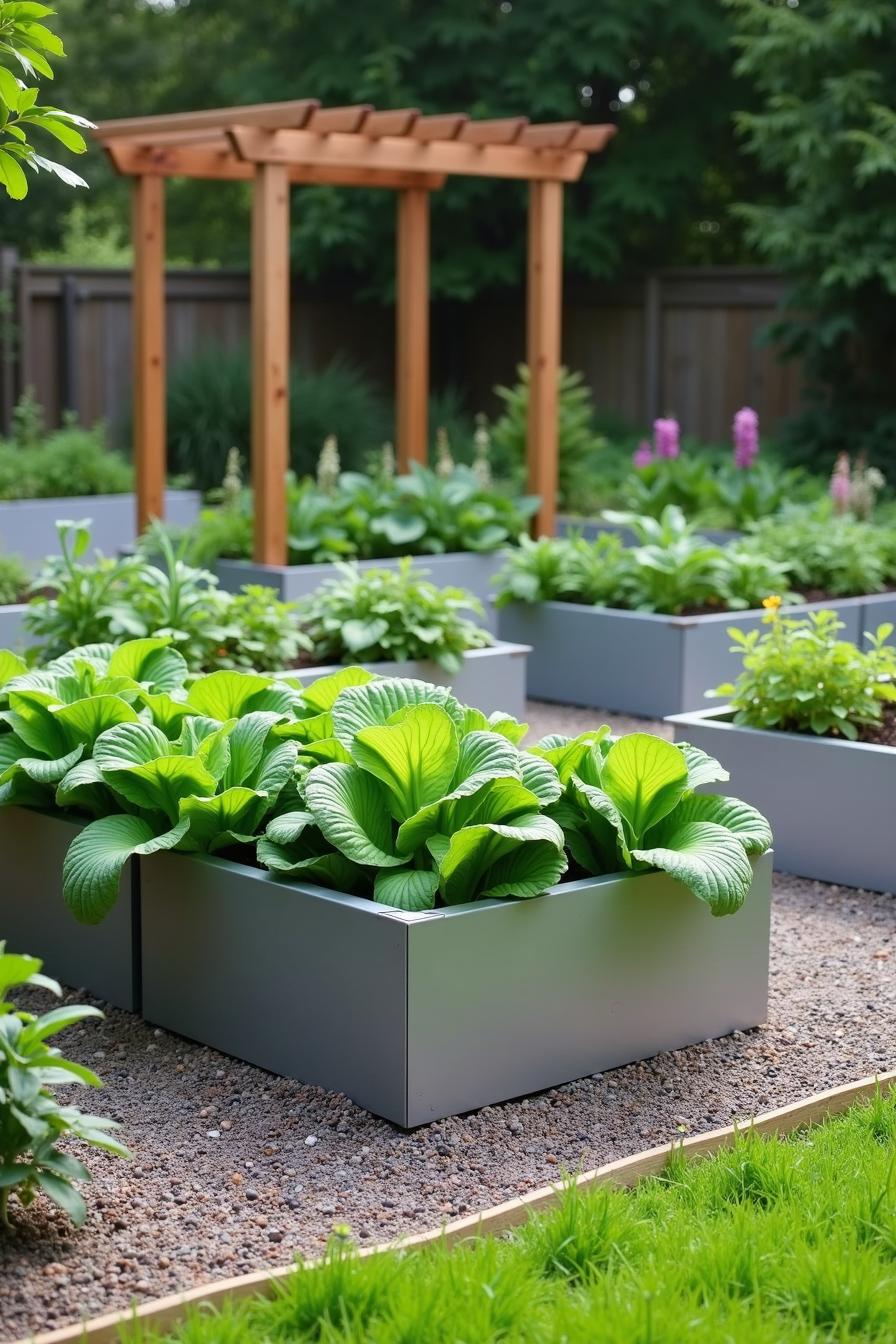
x,y
682,341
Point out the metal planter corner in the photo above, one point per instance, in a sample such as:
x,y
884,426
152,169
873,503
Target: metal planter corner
x,y
13,634
490,679
636,662
830,802
101,958
459,569
419,1016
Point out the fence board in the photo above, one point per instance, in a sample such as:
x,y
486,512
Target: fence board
x,y
704,362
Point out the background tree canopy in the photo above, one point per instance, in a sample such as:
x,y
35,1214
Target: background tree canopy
x,y
660,195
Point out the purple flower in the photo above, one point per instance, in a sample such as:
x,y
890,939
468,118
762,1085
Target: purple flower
x,y
746,438
643,455
665,437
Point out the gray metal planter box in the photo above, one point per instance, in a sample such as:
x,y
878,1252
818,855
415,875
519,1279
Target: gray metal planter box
x,y
830,802
418,1016
640,662
459,569
101,958
28,526
490,679
589,528
12,627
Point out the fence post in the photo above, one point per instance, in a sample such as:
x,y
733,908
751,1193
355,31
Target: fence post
x,y
653,346
9,259
69,399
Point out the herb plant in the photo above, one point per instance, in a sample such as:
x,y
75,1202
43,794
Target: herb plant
x,y
799,677
382,615
32,1121
66,462
107,600
631,804
839,556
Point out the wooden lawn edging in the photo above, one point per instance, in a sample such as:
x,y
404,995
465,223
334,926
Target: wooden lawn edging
x,y
169,1311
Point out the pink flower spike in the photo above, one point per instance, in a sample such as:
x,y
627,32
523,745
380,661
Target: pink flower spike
x,y
841,488
665,437
746,438
643,455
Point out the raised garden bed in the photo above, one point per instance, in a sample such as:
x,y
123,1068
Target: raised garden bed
x,y
101,958
830,802
589,528
647,663
490,679
28,526
474,1004
473,570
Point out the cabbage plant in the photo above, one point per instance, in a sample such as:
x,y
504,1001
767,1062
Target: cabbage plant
x,y
631,803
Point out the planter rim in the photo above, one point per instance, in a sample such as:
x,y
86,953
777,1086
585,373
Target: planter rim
x,y
427,557
720,717
62,500
708,618
364,905
14,608
500,646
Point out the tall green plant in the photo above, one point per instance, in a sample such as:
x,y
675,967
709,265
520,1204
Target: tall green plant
x,y
825,130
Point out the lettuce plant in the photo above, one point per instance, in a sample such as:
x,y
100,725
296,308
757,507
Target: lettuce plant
x,y
632,804
798,677
389,614
32,1121
427,798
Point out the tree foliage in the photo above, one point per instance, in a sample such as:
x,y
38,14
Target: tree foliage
x,y
659,194
26,46
825,129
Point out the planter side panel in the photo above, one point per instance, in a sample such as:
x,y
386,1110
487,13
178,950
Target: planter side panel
x,y
830,803
461,569
708,660
876,609
13,634
598,658
28,526
513,998
496,681
305,985
34,918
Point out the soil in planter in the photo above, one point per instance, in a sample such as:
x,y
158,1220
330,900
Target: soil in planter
x,y
881,734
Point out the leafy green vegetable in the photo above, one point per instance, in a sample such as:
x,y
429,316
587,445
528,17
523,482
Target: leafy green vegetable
x,y
32,1122
383,615
630,803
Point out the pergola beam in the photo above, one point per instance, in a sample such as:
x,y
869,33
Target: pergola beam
x,y
395,153
412,327
543,314
270,361
270,115
148,317
198,161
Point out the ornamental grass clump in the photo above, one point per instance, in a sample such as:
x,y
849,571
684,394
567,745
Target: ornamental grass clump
x,y
32,1122
799,677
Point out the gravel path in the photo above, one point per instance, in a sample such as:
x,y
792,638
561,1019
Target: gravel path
x,y
235,1170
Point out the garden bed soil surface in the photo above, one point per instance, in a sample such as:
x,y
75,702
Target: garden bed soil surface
x,y
236,1170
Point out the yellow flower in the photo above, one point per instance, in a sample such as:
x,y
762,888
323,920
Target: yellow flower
x,y
771,603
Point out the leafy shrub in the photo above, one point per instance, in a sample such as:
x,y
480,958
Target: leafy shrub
x,y
582,451
387,787
631,803
799,677
112,599
209,412
353,515
839,556
64,463
673,569
383,615
32,1121
713,492
14,580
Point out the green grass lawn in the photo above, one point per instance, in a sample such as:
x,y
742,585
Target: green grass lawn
x,y
769,1242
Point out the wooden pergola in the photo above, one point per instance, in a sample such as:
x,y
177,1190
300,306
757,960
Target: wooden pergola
x,y
277,145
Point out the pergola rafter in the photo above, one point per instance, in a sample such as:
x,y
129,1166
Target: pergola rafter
x,y
278,145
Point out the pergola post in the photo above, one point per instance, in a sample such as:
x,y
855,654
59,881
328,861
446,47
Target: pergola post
x,y
149,346
270,360
412,327
543,317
